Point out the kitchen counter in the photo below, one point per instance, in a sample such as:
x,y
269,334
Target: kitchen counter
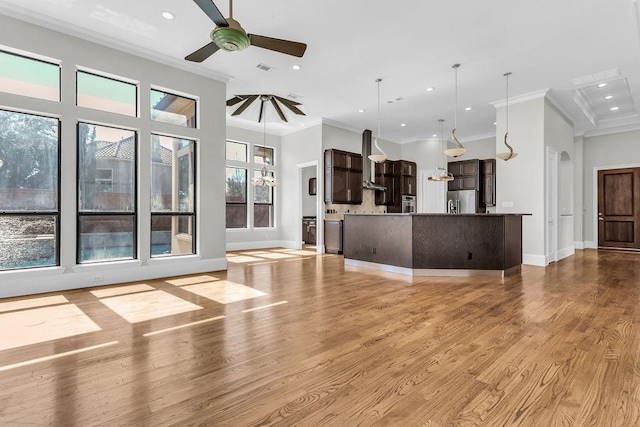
x,y
435,244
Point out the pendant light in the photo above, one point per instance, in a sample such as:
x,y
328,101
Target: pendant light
x,y
440,174
459,150
378,158
265,178
509,154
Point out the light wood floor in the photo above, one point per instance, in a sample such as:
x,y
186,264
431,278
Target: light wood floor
x,y
287,338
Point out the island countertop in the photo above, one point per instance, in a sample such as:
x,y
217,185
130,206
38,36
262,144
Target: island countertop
x,y
435,244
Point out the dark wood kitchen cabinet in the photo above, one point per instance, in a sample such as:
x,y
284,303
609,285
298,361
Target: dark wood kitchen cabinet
x,y
488,189
343,177
385,176
465,175
408,177
309,230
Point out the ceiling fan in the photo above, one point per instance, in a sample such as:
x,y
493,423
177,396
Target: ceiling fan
x,y
275,100
231,37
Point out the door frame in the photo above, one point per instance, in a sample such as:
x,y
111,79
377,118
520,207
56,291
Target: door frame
x,y
551,178
594,196
301,187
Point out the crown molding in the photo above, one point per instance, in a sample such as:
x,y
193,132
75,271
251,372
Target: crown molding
x,y
552,100
521,98
20,14
611,130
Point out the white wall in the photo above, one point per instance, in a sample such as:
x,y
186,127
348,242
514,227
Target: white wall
x,y
605,152
578,191
558,134
520,181
299,148
210,136
259,237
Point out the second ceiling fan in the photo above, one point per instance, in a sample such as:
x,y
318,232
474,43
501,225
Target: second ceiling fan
x,y
231,37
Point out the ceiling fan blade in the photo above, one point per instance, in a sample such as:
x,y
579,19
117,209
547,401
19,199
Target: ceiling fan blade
x,y
278,109
261,111
245,105
211,10
279,45
233,101
287,101
202,53
291,105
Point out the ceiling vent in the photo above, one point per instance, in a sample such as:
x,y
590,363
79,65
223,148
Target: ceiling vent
x,y
264,67
293,96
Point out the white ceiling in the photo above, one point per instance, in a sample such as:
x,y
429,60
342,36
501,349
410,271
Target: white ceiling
x,y
566,46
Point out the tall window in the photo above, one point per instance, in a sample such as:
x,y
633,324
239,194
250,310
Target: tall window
x,y
172,196
106,219
29,77
236,197
29,190
241,167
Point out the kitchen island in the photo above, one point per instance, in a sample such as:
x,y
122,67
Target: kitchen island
x,y
435,244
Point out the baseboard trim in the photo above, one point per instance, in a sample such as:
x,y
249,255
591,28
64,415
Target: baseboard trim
x,y
263,244
537,260
590,245
29,285
566,252
578,245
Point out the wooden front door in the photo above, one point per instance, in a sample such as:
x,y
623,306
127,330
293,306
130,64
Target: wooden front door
x,y
619,208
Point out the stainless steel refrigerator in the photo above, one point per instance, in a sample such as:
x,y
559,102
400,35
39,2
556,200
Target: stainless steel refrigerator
x,y
461,201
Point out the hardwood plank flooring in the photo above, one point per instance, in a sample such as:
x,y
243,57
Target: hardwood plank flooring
x,y
300,339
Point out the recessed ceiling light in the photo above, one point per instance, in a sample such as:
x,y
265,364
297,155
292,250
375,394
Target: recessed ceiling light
x,y
296,67
362,110
614,108
430,89
601,85
608,97
467,109
434,135
495,123
403,124
168,15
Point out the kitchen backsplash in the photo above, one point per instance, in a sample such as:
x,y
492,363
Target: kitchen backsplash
x,y
337,211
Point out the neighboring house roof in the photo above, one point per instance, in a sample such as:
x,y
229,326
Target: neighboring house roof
x,y
124,150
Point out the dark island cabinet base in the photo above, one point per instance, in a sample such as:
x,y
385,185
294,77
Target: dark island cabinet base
x,y
491,242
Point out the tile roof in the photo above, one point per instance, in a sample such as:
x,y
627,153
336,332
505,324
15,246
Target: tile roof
x,y
124,149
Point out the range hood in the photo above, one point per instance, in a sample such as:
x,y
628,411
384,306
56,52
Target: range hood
x,y
368,171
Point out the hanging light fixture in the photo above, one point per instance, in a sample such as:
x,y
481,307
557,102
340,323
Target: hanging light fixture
x,y
266,177
378,158
459,150
440,174
509,154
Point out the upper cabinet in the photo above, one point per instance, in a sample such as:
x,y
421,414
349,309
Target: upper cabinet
x,y
465,175
385,176
488,188
343,177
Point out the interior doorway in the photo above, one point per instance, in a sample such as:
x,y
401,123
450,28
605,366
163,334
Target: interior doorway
x,y
619,208
551,205
310,233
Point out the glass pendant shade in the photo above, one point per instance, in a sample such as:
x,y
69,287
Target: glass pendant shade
x,y
440,174
265,177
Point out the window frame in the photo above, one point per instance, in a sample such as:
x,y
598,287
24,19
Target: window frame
x,y
38,58
245,167
115,78
192,214
80,213
35,213
194,98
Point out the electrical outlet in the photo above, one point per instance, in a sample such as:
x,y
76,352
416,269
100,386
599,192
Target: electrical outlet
x,y
98,278
507,204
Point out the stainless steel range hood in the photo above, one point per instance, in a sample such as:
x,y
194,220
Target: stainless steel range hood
x,y
368,169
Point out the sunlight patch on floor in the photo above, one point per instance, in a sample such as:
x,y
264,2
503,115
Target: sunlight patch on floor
x,y
148,305
277,256
36,325
224,291
191,280
240,259
264,306
121,290
32,303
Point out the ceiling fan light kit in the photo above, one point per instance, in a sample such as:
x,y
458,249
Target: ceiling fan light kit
x,y
229,36
509,154
459,150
